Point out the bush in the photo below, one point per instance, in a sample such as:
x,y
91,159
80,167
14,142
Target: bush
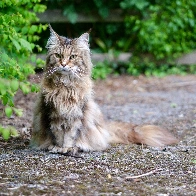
x,y
101,70
17,42
162,30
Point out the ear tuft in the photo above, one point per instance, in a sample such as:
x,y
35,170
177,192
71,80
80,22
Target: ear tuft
x,y
84,37
53,40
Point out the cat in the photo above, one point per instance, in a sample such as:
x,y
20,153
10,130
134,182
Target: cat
x,y
66,118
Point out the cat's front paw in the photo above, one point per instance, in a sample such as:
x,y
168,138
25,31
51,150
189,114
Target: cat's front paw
x,y
63,150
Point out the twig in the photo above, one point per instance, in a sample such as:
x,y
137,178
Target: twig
x,y
178,84
145,174
182,84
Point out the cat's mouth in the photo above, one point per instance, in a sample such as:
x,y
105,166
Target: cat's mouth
x,y
64,68
70,71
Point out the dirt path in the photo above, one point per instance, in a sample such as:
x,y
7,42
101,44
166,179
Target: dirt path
x,y
120,170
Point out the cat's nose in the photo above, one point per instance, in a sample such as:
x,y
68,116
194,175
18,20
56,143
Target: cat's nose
x,y
64,63
64,68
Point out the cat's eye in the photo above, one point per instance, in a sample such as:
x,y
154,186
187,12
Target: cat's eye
x,y
57,55
72,56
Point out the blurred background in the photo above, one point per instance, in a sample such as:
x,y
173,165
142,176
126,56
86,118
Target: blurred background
x,y
133,36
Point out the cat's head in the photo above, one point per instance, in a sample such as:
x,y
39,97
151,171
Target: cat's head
x,y
68,57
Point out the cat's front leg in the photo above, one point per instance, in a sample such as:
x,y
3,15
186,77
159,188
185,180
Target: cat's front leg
x,y
69,138
63,150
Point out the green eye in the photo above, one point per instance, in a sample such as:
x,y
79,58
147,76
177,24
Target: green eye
x,y
57,55
72,56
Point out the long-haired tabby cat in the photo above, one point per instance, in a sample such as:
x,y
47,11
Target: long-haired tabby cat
x,y
66,117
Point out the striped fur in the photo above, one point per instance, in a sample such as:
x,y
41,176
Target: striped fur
x,y
66,117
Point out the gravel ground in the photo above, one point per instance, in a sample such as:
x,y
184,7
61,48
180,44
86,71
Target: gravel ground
x,y
122,169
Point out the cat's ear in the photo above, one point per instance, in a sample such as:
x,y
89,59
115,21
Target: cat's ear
x,y
83,41
54,39
84,38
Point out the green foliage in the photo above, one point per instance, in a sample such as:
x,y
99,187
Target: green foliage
x,y
134,4
154,69
71,13
8,132
101,70
17,35
162,29
72,8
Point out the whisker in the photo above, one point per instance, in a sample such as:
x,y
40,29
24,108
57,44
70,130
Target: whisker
x,y
50,72
77,75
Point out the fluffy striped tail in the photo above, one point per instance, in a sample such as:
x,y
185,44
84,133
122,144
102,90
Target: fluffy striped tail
x,y
147,134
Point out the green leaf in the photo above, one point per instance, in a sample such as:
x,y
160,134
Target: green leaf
x,y
4,100
34,88
8,111
14,84
4,56
25,30
6,133
16,44
33,58
13,132
25,88
2,88
25,44
101,44
33,29
18,112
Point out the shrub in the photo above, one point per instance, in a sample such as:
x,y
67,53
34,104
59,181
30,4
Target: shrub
x,y
17,43
161,29
164,29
